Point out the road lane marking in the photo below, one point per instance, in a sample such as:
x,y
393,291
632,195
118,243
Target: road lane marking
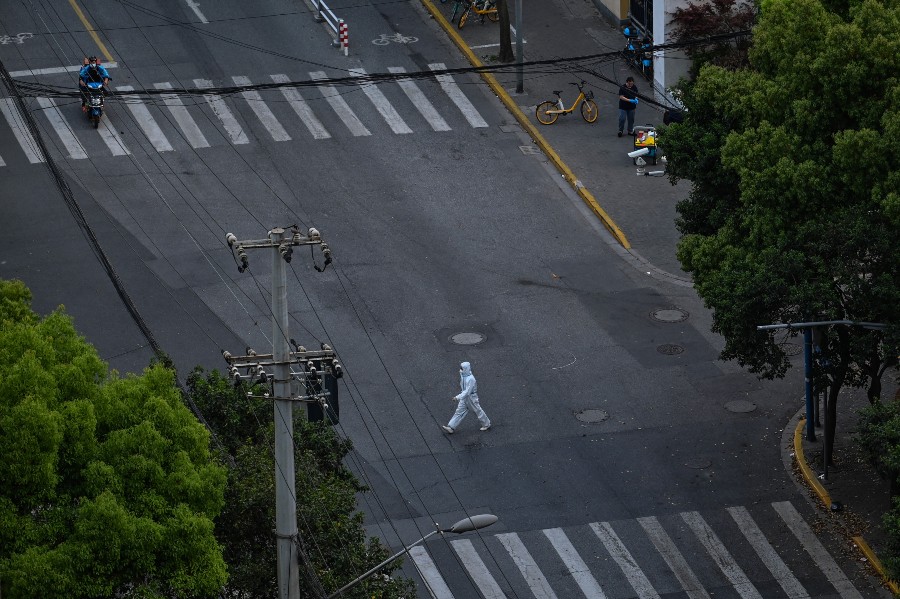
x,y
574,564
382,105
223,113
23,135
65,133
720,555
195,6
676,562
418,99
111,139
767,553
429,572
516,549
181,115
262,111
479,572
296,101
145,120
56,70
636,577
459,98
91,31
815,549
339,105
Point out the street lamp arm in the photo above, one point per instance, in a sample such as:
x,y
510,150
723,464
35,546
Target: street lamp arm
x,y
465,525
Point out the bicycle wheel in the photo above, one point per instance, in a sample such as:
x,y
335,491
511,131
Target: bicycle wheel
x,y
589,110
494,16
544,117
464,17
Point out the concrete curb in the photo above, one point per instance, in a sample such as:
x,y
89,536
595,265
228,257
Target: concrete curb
x,y
526,124
813,481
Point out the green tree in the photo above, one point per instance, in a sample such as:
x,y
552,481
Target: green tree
x,y
107,487
794,210
332,539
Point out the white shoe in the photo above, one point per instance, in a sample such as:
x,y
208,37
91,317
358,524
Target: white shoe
x,y
486,428
447,429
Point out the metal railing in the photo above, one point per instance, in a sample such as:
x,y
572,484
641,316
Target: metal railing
x,y
325,14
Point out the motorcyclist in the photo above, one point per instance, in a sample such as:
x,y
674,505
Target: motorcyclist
x,y
92,71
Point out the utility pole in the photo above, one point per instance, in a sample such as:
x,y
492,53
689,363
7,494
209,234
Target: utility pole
x,y
313,367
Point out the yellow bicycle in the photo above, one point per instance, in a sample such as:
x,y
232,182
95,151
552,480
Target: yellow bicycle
x,y
485,8
547,112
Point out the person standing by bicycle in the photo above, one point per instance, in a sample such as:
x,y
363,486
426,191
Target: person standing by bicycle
x,y
628,102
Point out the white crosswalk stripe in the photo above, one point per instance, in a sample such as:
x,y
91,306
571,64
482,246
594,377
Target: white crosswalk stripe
x,y
576,566
65,133
340,106
673,558
296,101
21,133
627,546
223,113
111,138
527,566
185,121
767,554
312,113
430,575
815,549
721,556
382,105
145,120
262,111
422,104
459,98
614,546
479,572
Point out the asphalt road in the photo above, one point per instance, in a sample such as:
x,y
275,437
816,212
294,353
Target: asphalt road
x,y
440,223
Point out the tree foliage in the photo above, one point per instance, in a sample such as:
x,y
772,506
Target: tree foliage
x,y
794,210
332,539
698,20
107,487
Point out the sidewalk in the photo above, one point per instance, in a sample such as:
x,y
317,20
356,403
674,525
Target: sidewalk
x,y
643,208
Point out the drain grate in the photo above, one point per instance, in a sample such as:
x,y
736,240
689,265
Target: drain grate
x,y
530,150
670,349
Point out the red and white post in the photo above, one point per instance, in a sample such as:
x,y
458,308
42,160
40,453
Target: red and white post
x,y
342,36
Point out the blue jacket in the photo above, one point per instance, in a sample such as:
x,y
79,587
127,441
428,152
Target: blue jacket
x,y
87,76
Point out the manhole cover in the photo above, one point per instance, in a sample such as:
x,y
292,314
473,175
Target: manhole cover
x,y
669,349
669,315
791,349
698,463
740,406
592,415
467,338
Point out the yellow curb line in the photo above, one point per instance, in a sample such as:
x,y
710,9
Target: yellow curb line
x,y
813,481
542,143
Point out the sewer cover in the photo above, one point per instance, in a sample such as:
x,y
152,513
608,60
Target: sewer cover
x,y
669,315
740,406
669,349
698,463
592,415
467,338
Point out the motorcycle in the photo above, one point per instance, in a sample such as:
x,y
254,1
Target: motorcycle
x,y
94,102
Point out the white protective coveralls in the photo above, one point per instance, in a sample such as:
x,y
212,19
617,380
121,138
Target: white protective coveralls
x,y
468,399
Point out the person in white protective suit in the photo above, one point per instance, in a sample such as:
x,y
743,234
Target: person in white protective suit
x,y
467,400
